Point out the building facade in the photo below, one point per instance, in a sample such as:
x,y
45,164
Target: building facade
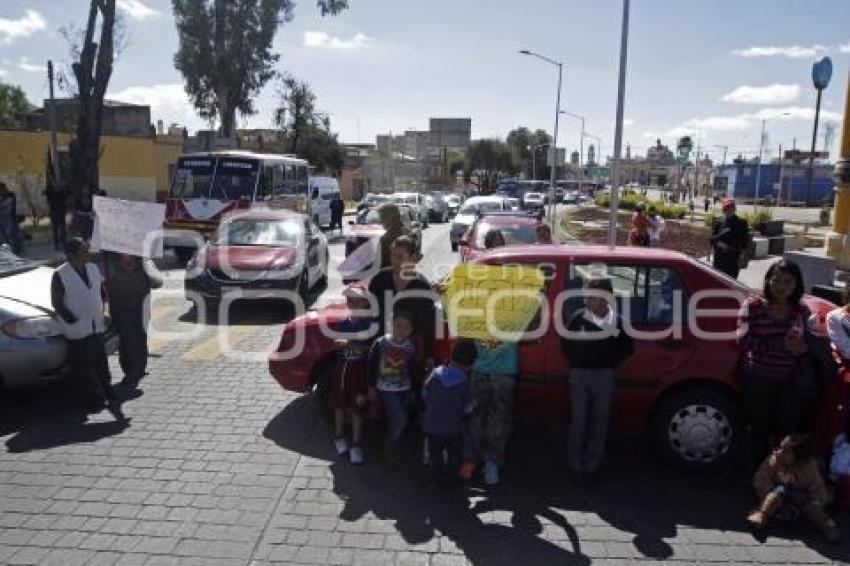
x,y
741,182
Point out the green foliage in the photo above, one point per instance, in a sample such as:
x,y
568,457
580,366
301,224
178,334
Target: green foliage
x,y
225,51
629,200
13,104
297,109
711,218
321,149
755,219
529,147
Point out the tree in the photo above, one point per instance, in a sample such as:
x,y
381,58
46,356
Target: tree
x,y
92,71
297,110
491,158
530,150
321,149
13,104
225,51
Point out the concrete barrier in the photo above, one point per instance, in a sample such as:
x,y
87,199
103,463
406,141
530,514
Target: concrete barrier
x,y
817,269
759,248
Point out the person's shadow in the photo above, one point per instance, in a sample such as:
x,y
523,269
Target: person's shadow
x,y
42,418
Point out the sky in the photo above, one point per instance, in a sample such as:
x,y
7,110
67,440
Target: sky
x,y
709,68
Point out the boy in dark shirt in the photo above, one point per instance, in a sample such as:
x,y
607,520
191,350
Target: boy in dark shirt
x,y
448,399
595,345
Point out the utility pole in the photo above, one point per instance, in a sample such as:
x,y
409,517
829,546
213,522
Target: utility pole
x,y
54,144
758,170
781,174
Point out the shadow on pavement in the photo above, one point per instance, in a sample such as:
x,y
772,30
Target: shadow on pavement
x,y
246,312
42,418
527,519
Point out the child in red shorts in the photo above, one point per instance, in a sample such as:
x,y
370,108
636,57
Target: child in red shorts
x,y
351,376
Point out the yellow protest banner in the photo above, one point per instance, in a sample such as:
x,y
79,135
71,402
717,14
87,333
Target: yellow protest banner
x,y
489,301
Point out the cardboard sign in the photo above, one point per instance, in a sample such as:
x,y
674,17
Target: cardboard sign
x,y
128,227
366,255
481,300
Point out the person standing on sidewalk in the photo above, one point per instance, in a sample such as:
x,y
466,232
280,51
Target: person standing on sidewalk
x,y
337,207
729,238
595,345
7,216
78,296
57,202
128,285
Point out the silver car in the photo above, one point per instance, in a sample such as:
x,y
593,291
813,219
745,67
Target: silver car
x,y
32,349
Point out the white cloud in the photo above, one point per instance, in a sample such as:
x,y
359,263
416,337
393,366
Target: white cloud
x,y
628,122
32,22
137,10
844,47
790,51
25,65
322,40
764,95
738,122
168,102
3,72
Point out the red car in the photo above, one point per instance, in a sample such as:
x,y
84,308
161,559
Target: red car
x,y
680,389
517,229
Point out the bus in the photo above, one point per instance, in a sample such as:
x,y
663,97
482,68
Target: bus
x,y
207,185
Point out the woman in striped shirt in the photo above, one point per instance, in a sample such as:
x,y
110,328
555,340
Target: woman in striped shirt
x,y
771,330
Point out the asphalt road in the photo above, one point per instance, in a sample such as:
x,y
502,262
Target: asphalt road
x,y
219,465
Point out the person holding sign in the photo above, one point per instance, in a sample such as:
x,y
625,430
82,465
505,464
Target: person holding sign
x,y
129,285
595,345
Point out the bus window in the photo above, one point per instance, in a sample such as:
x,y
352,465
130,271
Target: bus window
x,y
264,190
235,179
279,183
192,178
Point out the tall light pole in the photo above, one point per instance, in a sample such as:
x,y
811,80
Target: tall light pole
x,y
554,147
758,167
581,149
821,75
618,132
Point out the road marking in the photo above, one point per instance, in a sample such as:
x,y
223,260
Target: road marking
x,y
223,336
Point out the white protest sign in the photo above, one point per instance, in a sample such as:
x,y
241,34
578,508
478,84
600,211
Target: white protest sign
x,y
360,259
128,227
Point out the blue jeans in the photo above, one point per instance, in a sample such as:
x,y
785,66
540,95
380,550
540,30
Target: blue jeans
x,y
133,341
396,405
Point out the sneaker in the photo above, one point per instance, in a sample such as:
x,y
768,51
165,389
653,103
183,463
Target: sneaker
x,y
341,445
491,473
356,454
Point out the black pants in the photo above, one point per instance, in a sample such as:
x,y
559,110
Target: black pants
x,y
336,221
57,223
444,468
772,407
90,370
727,263
133,346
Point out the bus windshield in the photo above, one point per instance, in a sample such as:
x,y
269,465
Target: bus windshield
x,y
220,179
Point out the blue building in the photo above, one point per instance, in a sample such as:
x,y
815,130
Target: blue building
x,y
742,181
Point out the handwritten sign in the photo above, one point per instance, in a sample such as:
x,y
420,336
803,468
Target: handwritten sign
x,y
128,227
483,300
364,256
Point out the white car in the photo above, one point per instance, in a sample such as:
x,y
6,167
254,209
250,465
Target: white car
x,y
533,201
469,211
416,201
571,197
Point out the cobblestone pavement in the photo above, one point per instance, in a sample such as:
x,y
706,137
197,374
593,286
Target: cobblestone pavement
x,y
220,466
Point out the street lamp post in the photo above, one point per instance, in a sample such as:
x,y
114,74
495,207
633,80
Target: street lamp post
x,y
618,131
554,147
821,75
758,167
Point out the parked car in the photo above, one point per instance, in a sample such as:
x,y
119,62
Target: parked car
x,y
32,348
367,226
416,201
533,201
438,208
681,390
514,203
516,228
469,211
260,251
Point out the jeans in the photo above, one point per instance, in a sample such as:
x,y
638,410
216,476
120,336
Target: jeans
x,y
90,370
448,466
396,405
133,345
492,417
590,400
772,405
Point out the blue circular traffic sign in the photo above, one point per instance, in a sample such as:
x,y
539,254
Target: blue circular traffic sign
x,y
822,73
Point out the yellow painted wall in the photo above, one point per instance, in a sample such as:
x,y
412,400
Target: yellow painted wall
x,y
133,168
